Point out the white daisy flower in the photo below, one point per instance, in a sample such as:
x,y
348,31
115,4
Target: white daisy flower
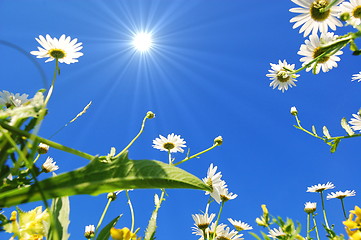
x,y
43,148
50,165
9,99
198,232
281,75
228,234
341,195
356,122
310,207
213,229
313,48
294,111
173,143
239,225
274,233
320,187
353,9
357,77
63,49
224,194
202,221
213,180
89,231
313,18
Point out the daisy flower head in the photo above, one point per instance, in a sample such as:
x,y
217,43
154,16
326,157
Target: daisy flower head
x,y
356,122
274,233
202,221
228,234
357,77
9,99
310,207
239,225
224,194
63,49
89,231
313,48
216,230
321,187
282,75
213,180
49,165
315,15
341,195
173,143
353,11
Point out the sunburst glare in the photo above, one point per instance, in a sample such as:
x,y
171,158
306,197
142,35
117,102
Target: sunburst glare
x,y
142,41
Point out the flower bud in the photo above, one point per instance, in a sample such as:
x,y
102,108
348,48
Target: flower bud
x,y
89,231
150,115
43,148
345,16
112,196
310,207
294,111
218,140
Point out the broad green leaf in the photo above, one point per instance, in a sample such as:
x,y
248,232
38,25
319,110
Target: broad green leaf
x,y
347,127
105,232
326,132
60,208
101,177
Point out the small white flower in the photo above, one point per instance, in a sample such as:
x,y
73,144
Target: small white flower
x,y
274,233
43,148
213,229
64,49
224,194
341,195
320,187
357,77
173,143
282,75
356,122
213,180
313,48
202,221
310,207
353,8
50,165
313,18
239,225
8,99
229,235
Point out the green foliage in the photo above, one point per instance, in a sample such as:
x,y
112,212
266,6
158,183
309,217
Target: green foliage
x,y
105,232
60,209
101,177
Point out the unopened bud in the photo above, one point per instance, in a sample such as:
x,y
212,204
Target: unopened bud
x,y
89,231
218,140
112,196
150,115
345,16
43,148
294,111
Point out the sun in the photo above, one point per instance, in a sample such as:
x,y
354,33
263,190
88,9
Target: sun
x,y
142,41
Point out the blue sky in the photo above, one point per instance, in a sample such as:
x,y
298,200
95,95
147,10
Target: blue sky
x,y
204,78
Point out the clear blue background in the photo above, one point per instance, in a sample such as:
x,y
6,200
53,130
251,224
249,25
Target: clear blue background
x,y
204,78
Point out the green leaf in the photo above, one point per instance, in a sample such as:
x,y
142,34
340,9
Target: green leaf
x,y
60,208
105,232
255,235
152,224
103,177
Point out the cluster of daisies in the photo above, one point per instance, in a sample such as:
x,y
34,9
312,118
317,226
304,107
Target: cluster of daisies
x,y
204,225
317,51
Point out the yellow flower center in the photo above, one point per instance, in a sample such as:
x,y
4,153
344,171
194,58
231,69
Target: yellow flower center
x,y
223,238
317,52
316,10
283,76
57,53
168,145
357,12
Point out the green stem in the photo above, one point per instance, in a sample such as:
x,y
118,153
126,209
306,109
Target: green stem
x,y
46,141
315,225
131,210
301,128
50,92
169,157
324,210
218,217
343,208
308,226
103,215
195,155
330,5
131,142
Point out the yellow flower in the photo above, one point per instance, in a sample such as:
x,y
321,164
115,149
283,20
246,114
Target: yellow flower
x,y
122,234
32,225
353,224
